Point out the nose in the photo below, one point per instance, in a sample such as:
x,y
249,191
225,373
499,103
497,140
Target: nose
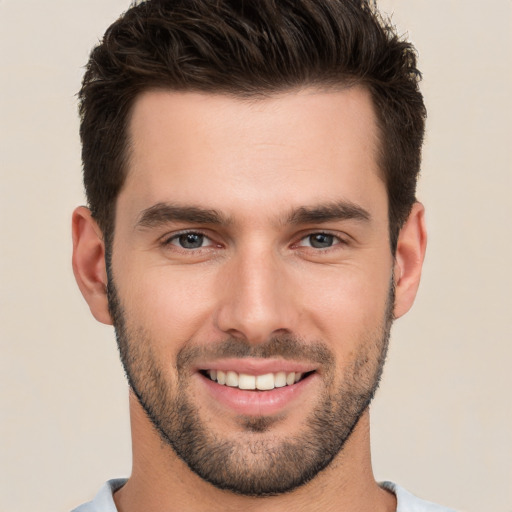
x,y
257,299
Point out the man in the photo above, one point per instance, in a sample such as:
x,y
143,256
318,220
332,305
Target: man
x,y
252,232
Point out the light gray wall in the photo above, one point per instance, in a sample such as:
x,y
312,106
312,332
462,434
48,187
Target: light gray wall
x,y
442,420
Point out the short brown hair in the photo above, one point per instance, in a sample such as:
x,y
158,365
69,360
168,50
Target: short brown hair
x,y
249,48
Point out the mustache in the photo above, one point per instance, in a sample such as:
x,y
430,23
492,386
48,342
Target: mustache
x,y
279,346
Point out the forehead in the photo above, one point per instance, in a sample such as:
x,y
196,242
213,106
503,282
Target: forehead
x,y
300,147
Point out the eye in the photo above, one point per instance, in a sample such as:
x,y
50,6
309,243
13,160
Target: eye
x,y
319,241
190,240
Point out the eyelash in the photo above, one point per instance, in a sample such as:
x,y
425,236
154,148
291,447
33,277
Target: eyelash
x,y
337,240
168,241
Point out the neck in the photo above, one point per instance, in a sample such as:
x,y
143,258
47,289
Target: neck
x,y
162,481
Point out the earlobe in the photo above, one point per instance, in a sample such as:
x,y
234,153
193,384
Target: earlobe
x,y
410,253
89,263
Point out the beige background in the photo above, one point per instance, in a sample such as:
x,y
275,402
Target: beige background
x,y
443,417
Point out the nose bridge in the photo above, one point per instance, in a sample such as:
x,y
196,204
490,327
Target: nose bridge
x,y
256,295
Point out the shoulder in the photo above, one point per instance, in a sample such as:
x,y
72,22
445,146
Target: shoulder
x,y
104,500
407,502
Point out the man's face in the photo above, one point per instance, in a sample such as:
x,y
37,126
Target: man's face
x,y
251,250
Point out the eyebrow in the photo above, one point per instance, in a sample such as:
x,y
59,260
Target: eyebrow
x,y
338,210
163,213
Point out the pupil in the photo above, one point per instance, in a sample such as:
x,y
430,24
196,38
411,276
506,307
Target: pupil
x,y
191,240
321,240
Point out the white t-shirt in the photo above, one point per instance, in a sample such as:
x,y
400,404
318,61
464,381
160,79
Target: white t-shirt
x,y
406,502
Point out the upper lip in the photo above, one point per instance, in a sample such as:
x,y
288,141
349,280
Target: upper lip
x,y
257,366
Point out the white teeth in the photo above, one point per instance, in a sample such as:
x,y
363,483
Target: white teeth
x,y
280,380
264,382
290,379
246,381
232,379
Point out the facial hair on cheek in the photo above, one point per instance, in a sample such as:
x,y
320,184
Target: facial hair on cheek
x,y
254,463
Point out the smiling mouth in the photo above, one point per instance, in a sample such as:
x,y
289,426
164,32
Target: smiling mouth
x,y
265,382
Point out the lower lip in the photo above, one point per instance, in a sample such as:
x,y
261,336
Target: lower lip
x,y
257,403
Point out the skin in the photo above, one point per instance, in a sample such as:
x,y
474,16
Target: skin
x,y
255,162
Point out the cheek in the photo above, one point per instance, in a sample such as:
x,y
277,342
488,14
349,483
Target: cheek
x,y
169,303
347,305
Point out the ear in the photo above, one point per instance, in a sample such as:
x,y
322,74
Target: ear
x,y
89,263
410,253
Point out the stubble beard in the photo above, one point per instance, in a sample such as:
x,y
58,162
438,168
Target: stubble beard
x,y
254,463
